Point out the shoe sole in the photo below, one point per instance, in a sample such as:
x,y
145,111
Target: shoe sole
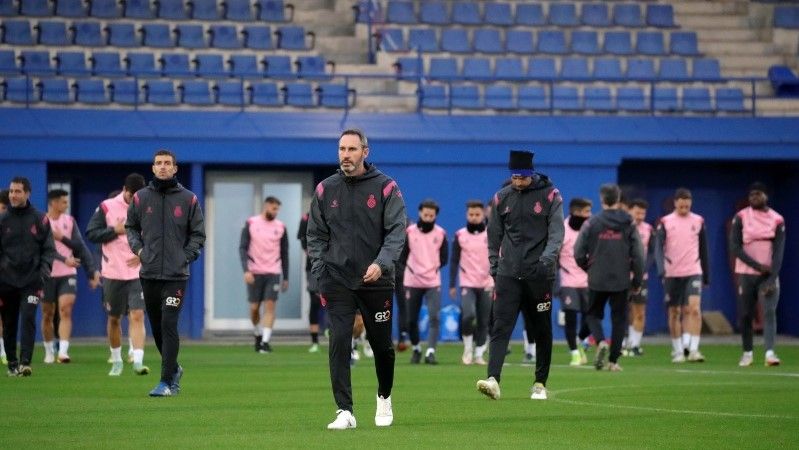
x,y
377,424
143,371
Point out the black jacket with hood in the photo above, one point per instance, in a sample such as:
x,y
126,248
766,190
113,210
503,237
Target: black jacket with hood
x,y
27,249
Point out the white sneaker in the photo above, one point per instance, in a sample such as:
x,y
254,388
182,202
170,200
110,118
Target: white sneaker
x,y
677,357
467,357
355,355
696,356
367,351
383,414
772,360
489,388
539,392
116,369
344,420
746,360
49,358
480,361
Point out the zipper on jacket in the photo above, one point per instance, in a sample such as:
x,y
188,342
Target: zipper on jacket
x,y
163,230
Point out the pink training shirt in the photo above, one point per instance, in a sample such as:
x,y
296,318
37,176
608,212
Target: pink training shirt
x,y
473,268
681,249
65,224
571,275
116,253
645,232
758,231
424,258
264,251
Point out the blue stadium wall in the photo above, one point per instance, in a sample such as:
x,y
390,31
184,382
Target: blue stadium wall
x,y
449,158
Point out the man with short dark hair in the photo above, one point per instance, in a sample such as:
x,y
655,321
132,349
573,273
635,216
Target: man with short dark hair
x,y
26,258
573,290
166,230
3,208
264,253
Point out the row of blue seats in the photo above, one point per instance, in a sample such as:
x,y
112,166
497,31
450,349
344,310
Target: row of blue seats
x,y
567,98
164,93
490,40
526,14
113,64
127,34
236,10
786,17
606,69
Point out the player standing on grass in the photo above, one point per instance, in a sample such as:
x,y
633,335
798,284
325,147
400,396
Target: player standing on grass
x,y
315,310
166,231
637,210
573,290
356,232
264,253
525,234
3,208
757,239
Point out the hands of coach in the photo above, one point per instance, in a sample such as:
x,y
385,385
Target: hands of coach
x,y
373,273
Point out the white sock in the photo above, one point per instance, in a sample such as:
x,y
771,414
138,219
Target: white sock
x,y
2,347
686,340
770,353
694,343
48,347
138,356
749,354
532,349
480,350
116,354
267,335
256,330
417,348
676,345
630,336
575,352
430,351
130,345
636,338
63,347
468,343
526,342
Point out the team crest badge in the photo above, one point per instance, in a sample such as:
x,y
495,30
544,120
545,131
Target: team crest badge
x,y
537,208
371,202
178,211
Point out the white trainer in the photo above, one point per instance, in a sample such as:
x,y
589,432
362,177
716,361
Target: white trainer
x,y
49,358
696,356
384,416
772,360
677,357
746,360
467,357
344,420
367,350
116,369
539,392
489,388
356,355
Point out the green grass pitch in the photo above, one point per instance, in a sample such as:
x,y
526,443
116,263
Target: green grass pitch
x,y
235,398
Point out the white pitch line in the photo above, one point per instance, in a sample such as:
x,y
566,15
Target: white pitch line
x,y
676,411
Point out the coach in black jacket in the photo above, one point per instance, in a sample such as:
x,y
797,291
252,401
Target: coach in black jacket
x,y
166,231
609,249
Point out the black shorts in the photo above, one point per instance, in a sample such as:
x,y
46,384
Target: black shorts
x,y
678,289
121,296
57,286
574,299
641,297
265,287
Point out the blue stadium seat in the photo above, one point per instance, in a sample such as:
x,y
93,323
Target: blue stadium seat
x,y
466,13
400,11
783,81
477,69
224,36
595,15
434,13
17,32
71,64
313,67
563,14
191,36
434,96
238,10
488,40
631,99
35,8
36,62
121,34
107,64
334,95
176,65
20,90
660,15
696,100
499,97
91,91
141,65
553,42
423,39
618,43
730,100
532,98
264,94
598,99
684,43
160,92
299,94
650,43
196,92
52,33
274,11
55,90
627,15
408,67
257,37
574,69
566,98
104,9
244,66
640,69
157,35
125,92
786,17
508,68
673,69
498,14
204,10
541,68
278,66
230,93
88,34
443,68
465,96
8,8
172,10
210,66
137,9
455,40
70,8
585,42
8,63
706,69
519,41
392,40
608,69
293,38
665,99
530,14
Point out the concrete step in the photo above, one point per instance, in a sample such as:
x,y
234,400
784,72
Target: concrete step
x,y
750,62
325,22
311,5
736,34
708,8
738,48
713,22
343,49
379,103
778,107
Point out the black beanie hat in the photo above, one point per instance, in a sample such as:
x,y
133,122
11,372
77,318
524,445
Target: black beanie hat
x,y
520,163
